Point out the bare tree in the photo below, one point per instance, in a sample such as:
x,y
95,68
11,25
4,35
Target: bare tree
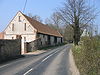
x,y
68,34
49,23
55,22
78,15
36,17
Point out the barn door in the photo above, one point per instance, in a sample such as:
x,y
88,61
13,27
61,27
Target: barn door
x,y
49,41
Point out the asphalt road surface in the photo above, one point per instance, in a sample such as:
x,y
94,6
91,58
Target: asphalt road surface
x,y
53,62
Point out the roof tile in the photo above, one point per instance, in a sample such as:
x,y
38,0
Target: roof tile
x,y
41,28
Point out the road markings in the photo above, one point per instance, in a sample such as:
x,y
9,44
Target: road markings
x,y
49,56
13,62
46,58
4,65
28,71
56,51
41,62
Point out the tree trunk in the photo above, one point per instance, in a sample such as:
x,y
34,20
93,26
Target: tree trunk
x,y
76,35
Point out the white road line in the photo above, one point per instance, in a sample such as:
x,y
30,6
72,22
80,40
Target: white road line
x,y
28,71
56,51
4,65
49,56
41,62
13,62
46,58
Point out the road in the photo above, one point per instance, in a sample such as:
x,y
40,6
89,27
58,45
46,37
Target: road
x,y
53,62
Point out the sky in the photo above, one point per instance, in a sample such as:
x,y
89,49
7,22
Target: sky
x,y
43,8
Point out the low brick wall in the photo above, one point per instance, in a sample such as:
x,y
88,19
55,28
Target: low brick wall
x,y
9,48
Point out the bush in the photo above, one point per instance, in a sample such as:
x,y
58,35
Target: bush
x,y
87,56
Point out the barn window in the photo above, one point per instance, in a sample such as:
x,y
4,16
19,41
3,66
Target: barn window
x,y
19,19
12,27
55,39
25,26
41,42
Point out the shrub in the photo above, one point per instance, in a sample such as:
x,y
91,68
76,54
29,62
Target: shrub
x,y
87,56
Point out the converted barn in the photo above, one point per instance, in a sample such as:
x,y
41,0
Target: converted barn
x,y
28,29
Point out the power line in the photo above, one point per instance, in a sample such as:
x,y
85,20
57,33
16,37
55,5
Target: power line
x,y
24,6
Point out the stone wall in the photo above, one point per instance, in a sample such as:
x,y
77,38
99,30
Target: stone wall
x,y
40,43
44,39
34,45
9,48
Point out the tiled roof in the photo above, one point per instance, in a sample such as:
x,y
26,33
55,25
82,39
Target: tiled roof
x,y
41,28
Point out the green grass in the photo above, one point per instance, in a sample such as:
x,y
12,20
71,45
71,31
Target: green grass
x,y
87,56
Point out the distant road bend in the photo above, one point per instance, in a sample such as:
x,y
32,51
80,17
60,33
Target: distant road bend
x,y
53,62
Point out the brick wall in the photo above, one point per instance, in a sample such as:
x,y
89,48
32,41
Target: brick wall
x,y
9,48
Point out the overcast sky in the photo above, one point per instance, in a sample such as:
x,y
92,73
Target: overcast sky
x,y
43,8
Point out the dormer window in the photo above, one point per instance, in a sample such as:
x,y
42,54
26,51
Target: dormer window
x,y
19,19
12,27
25,26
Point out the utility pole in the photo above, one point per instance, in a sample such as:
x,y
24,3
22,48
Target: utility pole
x,y
24,6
